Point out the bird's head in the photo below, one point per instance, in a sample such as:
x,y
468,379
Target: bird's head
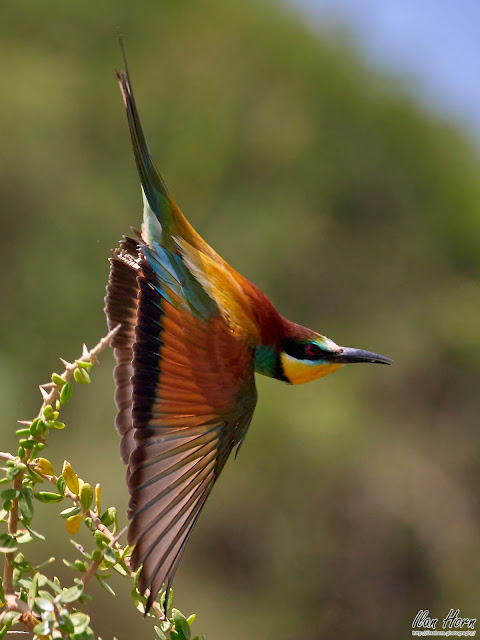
x,y
304,355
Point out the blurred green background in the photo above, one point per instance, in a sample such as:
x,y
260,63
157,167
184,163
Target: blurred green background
x,y
355,500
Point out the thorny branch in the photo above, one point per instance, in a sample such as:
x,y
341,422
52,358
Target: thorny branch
x,y
51,393
48,398
89,513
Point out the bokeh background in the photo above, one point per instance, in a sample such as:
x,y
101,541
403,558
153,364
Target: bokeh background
x,y
351,200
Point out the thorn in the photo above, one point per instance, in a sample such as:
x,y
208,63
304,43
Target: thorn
x,y
65,363
112,333
85,352
44,393
93,358
48,385
27,423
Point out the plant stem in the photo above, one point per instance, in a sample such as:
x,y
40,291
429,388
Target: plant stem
x,y
48,398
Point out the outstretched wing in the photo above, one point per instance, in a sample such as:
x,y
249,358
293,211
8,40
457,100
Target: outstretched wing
x,y
193,396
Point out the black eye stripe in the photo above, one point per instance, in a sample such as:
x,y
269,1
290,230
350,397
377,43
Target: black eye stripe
x,y
298,350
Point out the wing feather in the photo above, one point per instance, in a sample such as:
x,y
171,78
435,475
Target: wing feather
x,y
185,389
121,308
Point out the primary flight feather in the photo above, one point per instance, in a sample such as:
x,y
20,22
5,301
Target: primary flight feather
x,y
192,334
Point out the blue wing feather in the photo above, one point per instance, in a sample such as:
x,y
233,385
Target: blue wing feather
x,y
175,282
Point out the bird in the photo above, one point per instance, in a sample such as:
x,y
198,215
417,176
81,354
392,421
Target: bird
x,y
192,333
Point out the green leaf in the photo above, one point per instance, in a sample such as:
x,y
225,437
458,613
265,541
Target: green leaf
x,y
58,425
121,569
10,494
191,619
110,556
43,628
23,536
81,566
69,564
71,594
48,496
32,591
80,621
137,577
44,605
101,539
35,534
19,561
81,376
37,427
45,563
66,393
127,551
23,432
181,625
160,633
105,585
71,511
26,443
96,555
11,617
8,543
84,365
14,471
169,601
58,380
65,622
36,479
61,484
105,574
86,635
86,496
109,516
48,412
52,584
84,598
25,505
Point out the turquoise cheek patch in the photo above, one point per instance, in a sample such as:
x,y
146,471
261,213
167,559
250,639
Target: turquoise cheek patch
x,y
265,360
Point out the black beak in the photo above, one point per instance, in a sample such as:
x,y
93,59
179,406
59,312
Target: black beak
x,y
347,355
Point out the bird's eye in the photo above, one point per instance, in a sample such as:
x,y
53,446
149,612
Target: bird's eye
x,y
312,350
304,350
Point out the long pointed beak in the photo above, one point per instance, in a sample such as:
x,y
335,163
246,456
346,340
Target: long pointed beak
x,y
348,354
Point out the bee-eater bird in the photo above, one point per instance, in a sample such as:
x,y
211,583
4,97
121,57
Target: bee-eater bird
x,y
193,332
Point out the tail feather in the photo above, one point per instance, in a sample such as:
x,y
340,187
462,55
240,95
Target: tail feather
x,y
154,187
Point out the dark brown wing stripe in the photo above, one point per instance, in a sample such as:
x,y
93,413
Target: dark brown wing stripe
x,y
121,308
